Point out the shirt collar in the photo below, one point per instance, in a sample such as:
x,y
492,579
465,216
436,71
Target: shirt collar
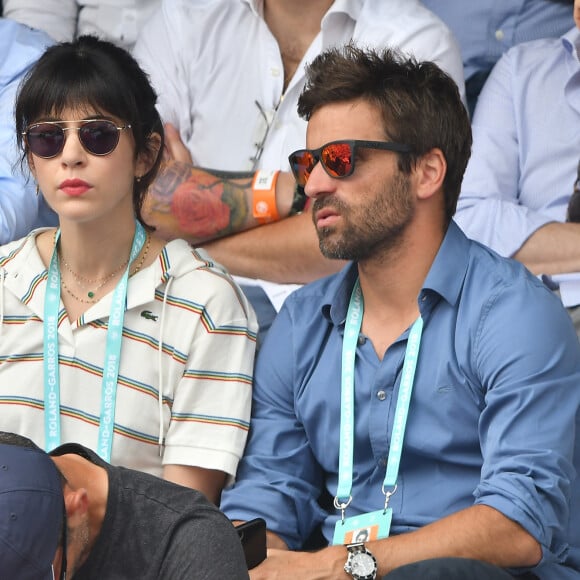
x,y
350,7
445,277
571,42
449,268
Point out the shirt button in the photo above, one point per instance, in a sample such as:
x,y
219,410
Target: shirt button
x,y
383,462
499,35
381,395
275,71
361,339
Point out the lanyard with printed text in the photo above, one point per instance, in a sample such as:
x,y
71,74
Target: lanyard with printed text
x,y
112,352
346,452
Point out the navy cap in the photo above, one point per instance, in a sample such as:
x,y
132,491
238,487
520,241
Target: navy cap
x,y
31,513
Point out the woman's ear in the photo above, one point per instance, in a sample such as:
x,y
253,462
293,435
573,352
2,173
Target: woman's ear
x,y
147,158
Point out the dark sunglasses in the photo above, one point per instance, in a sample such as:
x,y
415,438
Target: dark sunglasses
x,y
97,136
337,157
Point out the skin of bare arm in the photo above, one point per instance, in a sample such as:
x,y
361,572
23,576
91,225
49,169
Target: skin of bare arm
x,y
209,481
552,249
213,208
284,252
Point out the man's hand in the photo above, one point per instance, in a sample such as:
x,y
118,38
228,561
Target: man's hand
x,y
175,149
327,564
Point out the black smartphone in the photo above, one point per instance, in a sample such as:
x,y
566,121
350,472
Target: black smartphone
x,y
253,537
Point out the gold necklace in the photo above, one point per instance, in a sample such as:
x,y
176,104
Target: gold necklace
x,y
71,293
79,279
91,293
145,252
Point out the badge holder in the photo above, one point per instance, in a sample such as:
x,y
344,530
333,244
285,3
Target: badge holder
x,y
363,527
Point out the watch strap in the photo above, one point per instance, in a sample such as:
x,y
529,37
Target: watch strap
x,y
355,550
298,201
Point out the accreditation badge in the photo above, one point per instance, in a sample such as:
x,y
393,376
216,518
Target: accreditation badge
x,y
363,528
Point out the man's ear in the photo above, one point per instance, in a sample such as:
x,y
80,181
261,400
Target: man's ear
x,y
147,158
430,173
76,502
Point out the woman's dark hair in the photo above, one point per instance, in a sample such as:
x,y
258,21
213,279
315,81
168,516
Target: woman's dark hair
x,y
419,103
94,73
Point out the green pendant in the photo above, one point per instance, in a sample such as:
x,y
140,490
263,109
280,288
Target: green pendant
x,y
91,294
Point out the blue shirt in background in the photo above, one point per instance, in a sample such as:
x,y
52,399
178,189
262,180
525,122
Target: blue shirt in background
x,y
485,29
526,144
20,208
493,416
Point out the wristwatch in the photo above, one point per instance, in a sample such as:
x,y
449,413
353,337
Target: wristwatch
x,y
360,564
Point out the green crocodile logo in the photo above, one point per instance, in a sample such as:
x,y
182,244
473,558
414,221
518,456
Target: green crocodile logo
x,y
147,314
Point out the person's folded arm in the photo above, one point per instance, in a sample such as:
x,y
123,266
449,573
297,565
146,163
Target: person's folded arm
x,y
508,190
213,208
552,249
285,251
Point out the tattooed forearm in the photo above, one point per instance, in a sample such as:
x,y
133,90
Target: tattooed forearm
x,y
198,204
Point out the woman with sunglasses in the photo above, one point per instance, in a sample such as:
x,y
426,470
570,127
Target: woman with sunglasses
x,y
110,337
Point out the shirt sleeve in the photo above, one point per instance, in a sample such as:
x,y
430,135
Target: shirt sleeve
x,y
528,425
19,204
211,406
489,208
279,479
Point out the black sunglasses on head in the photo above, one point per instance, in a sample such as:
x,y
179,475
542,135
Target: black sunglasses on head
x,y
337,157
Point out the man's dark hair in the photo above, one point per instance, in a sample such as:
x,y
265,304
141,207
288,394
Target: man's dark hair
x,y
419,103
17,440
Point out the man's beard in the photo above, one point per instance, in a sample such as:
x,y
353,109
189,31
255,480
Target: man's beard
x,y
80,538
367,230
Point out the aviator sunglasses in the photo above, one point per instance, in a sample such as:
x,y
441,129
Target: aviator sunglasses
x,y
337,157
97,136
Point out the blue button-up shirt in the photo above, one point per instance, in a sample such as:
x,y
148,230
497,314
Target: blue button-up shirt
x,y
485,29
20,208
492,420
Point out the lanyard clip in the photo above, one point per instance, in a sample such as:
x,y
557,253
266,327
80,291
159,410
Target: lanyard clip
x,y
342,506
388,495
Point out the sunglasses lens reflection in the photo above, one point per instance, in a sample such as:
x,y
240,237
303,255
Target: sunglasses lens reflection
x,y
337,159
302,163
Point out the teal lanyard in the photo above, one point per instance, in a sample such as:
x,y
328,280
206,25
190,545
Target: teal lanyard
x,y
112,353
346,454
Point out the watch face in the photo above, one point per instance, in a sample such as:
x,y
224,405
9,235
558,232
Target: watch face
x,y
362,564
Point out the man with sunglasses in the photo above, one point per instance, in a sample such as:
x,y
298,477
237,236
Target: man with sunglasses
x,y
228,74
118,524
413,387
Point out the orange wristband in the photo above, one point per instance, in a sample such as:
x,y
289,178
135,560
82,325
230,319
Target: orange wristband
x,y
264,196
